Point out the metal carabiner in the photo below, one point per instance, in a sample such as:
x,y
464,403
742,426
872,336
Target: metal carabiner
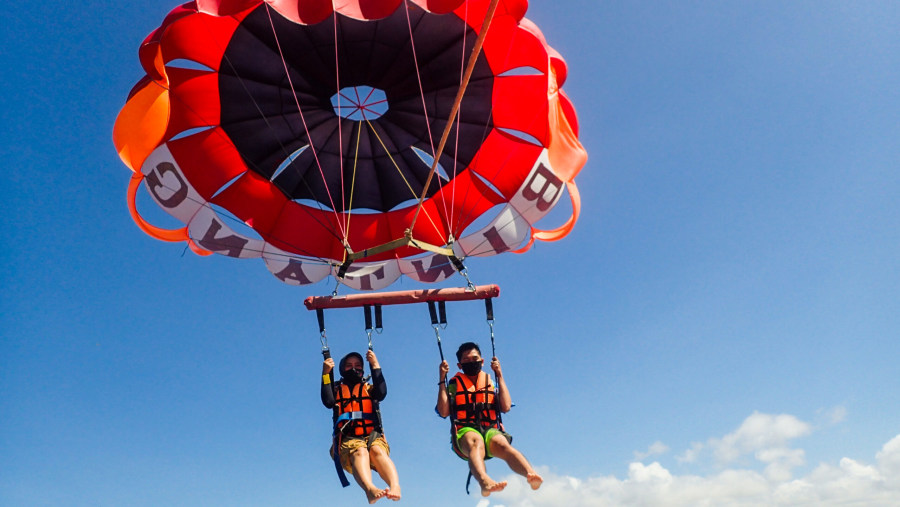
x,y
367,313
493,350
470,287
320,315
437,334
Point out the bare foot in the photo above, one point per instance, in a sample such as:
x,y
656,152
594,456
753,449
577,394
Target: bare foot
x,y
534,480
375,494
492,487
392,492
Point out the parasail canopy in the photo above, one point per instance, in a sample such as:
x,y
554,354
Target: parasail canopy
x,y
387,136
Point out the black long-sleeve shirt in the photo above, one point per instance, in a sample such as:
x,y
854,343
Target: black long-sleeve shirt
x,y
378,391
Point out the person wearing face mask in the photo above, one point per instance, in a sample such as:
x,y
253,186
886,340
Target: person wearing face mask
x,y
474,407
359,438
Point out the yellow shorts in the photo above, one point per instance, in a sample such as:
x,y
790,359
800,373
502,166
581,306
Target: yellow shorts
x,y
350,444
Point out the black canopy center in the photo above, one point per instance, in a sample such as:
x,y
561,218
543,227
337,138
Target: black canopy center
x,y
278,84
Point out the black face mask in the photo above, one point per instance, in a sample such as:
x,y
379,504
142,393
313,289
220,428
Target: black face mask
x,y
471,368
352,376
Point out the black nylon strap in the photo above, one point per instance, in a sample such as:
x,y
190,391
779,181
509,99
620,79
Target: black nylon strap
x,y
457,263
320,315
344,267
433,312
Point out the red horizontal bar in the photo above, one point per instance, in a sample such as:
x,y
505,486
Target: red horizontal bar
x,y
402,297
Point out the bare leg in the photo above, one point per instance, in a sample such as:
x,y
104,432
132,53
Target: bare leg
x,y
501,448
385,468
362,472
472,445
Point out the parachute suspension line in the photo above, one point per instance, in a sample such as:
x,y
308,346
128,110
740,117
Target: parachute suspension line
x,y
498,168
342,269
388,153
367,313
303,120
465,215
353,181
500,227
479,42
462,59
381,142
337,79
284,150
438,322
412,43
408,240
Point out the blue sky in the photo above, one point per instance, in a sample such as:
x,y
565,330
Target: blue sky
x,y
721,326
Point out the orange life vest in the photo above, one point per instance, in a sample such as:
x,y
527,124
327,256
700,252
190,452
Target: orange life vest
x,y
357,408
473,404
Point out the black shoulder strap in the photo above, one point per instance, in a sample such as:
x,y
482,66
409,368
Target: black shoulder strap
x,y
336,409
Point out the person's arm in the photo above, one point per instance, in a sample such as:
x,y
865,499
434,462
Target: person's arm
x,y
443,402
504,401
327,386
379,386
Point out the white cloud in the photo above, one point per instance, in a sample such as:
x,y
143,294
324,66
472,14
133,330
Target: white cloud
x,y
759,433
763,438
836,415
889,458
780,461
691,455
656,448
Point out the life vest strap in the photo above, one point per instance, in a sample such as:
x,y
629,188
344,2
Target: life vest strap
x,y
356,415
336,455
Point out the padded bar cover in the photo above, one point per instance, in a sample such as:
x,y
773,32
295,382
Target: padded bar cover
x,y
402,297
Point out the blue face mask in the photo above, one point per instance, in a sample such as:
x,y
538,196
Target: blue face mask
x,y
471,368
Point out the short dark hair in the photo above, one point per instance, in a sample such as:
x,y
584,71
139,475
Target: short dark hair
x,y
465,347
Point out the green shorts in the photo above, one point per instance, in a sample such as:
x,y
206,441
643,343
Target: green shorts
x,y
487,435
